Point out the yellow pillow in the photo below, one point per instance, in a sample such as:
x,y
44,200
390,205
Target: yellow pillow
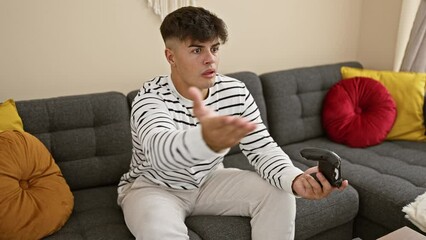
x,y
9,117
35,200
408,91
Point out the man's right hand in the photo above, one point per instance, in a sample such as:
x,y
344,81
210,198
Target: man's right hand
x,y
219,132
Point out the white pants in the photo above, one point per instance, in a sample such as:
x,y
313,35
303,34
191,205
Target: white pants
x,y
155,212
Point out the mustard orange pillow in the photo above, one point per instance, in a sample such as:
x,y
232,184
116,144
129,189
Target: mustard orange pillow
x,y
9,117
35,200
408,91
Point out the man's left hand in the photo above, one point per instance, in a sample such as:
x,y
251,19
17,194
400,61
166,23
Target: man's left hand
x,y
307,187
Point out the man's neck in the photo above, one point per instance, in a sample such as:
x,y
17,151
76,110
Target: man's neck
x,y
183,88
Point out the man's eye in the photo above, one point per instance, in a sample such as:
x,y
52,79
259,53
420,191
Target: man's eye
x,y
215,49
197,50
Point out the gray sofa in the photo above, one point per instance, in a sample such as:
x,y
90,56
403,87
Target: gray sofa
x,y
89,138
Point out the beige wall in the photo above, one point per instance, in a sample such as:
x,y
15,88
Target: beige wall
x,y
51,48
379,33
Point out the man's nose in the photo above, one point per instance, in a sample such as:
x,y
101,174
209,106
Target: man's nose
x,y
209,58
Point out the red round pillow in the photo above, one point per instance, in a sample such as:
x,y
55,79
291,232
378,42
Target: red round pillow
x,y
358,112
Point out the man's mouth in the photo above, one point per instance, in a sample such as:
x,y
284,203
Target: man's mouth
x,y
209,73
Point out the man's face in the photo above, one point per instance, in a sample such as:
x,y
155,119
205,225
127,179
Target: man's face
x,y
193,63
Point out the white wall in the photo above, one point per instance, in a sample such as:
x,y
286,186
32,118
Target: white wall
x,y
52,48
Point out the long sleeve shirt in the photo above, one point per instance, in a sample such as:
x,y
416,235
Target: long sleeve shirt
x,y
168,147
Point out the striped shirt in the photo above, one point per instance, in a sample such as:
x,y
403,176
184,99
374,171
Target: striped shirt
x,y
168,148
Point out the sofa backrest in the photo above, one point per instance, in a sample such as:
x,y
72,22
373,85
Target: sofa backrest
x,y
130,96
88,135
294,100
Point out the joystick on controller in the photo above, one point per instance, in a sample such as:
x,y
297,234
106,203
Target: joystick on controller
x,y
328,164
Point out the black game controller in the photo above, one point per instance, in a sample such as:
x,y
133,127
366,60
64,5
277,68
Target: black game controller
x,y
328,164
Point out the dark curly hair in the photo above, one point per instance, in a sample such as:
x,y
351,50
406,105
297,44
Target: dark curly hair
x,y
193,23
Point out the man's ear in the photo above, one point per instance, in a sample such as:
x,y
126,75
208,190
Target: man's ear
x,y
170,56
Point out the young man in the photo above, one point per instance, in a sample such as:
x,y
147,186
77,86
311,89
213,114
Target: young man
x,y
182,126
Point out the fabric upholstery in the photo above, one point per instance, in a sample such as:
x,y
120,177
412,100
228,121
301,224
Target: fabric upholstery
x,y
358,112
408,91
97,215
9,117
35,199
294,114
217,227
90,136
338,209
387,177
95,124
294,100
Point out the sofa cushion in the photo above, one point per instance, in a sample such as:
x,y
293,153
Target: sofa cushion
x,y
220,227
358,112
387,177
95,124
292,98
35,199
97,215
9,117
338,209
408,91
130,96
